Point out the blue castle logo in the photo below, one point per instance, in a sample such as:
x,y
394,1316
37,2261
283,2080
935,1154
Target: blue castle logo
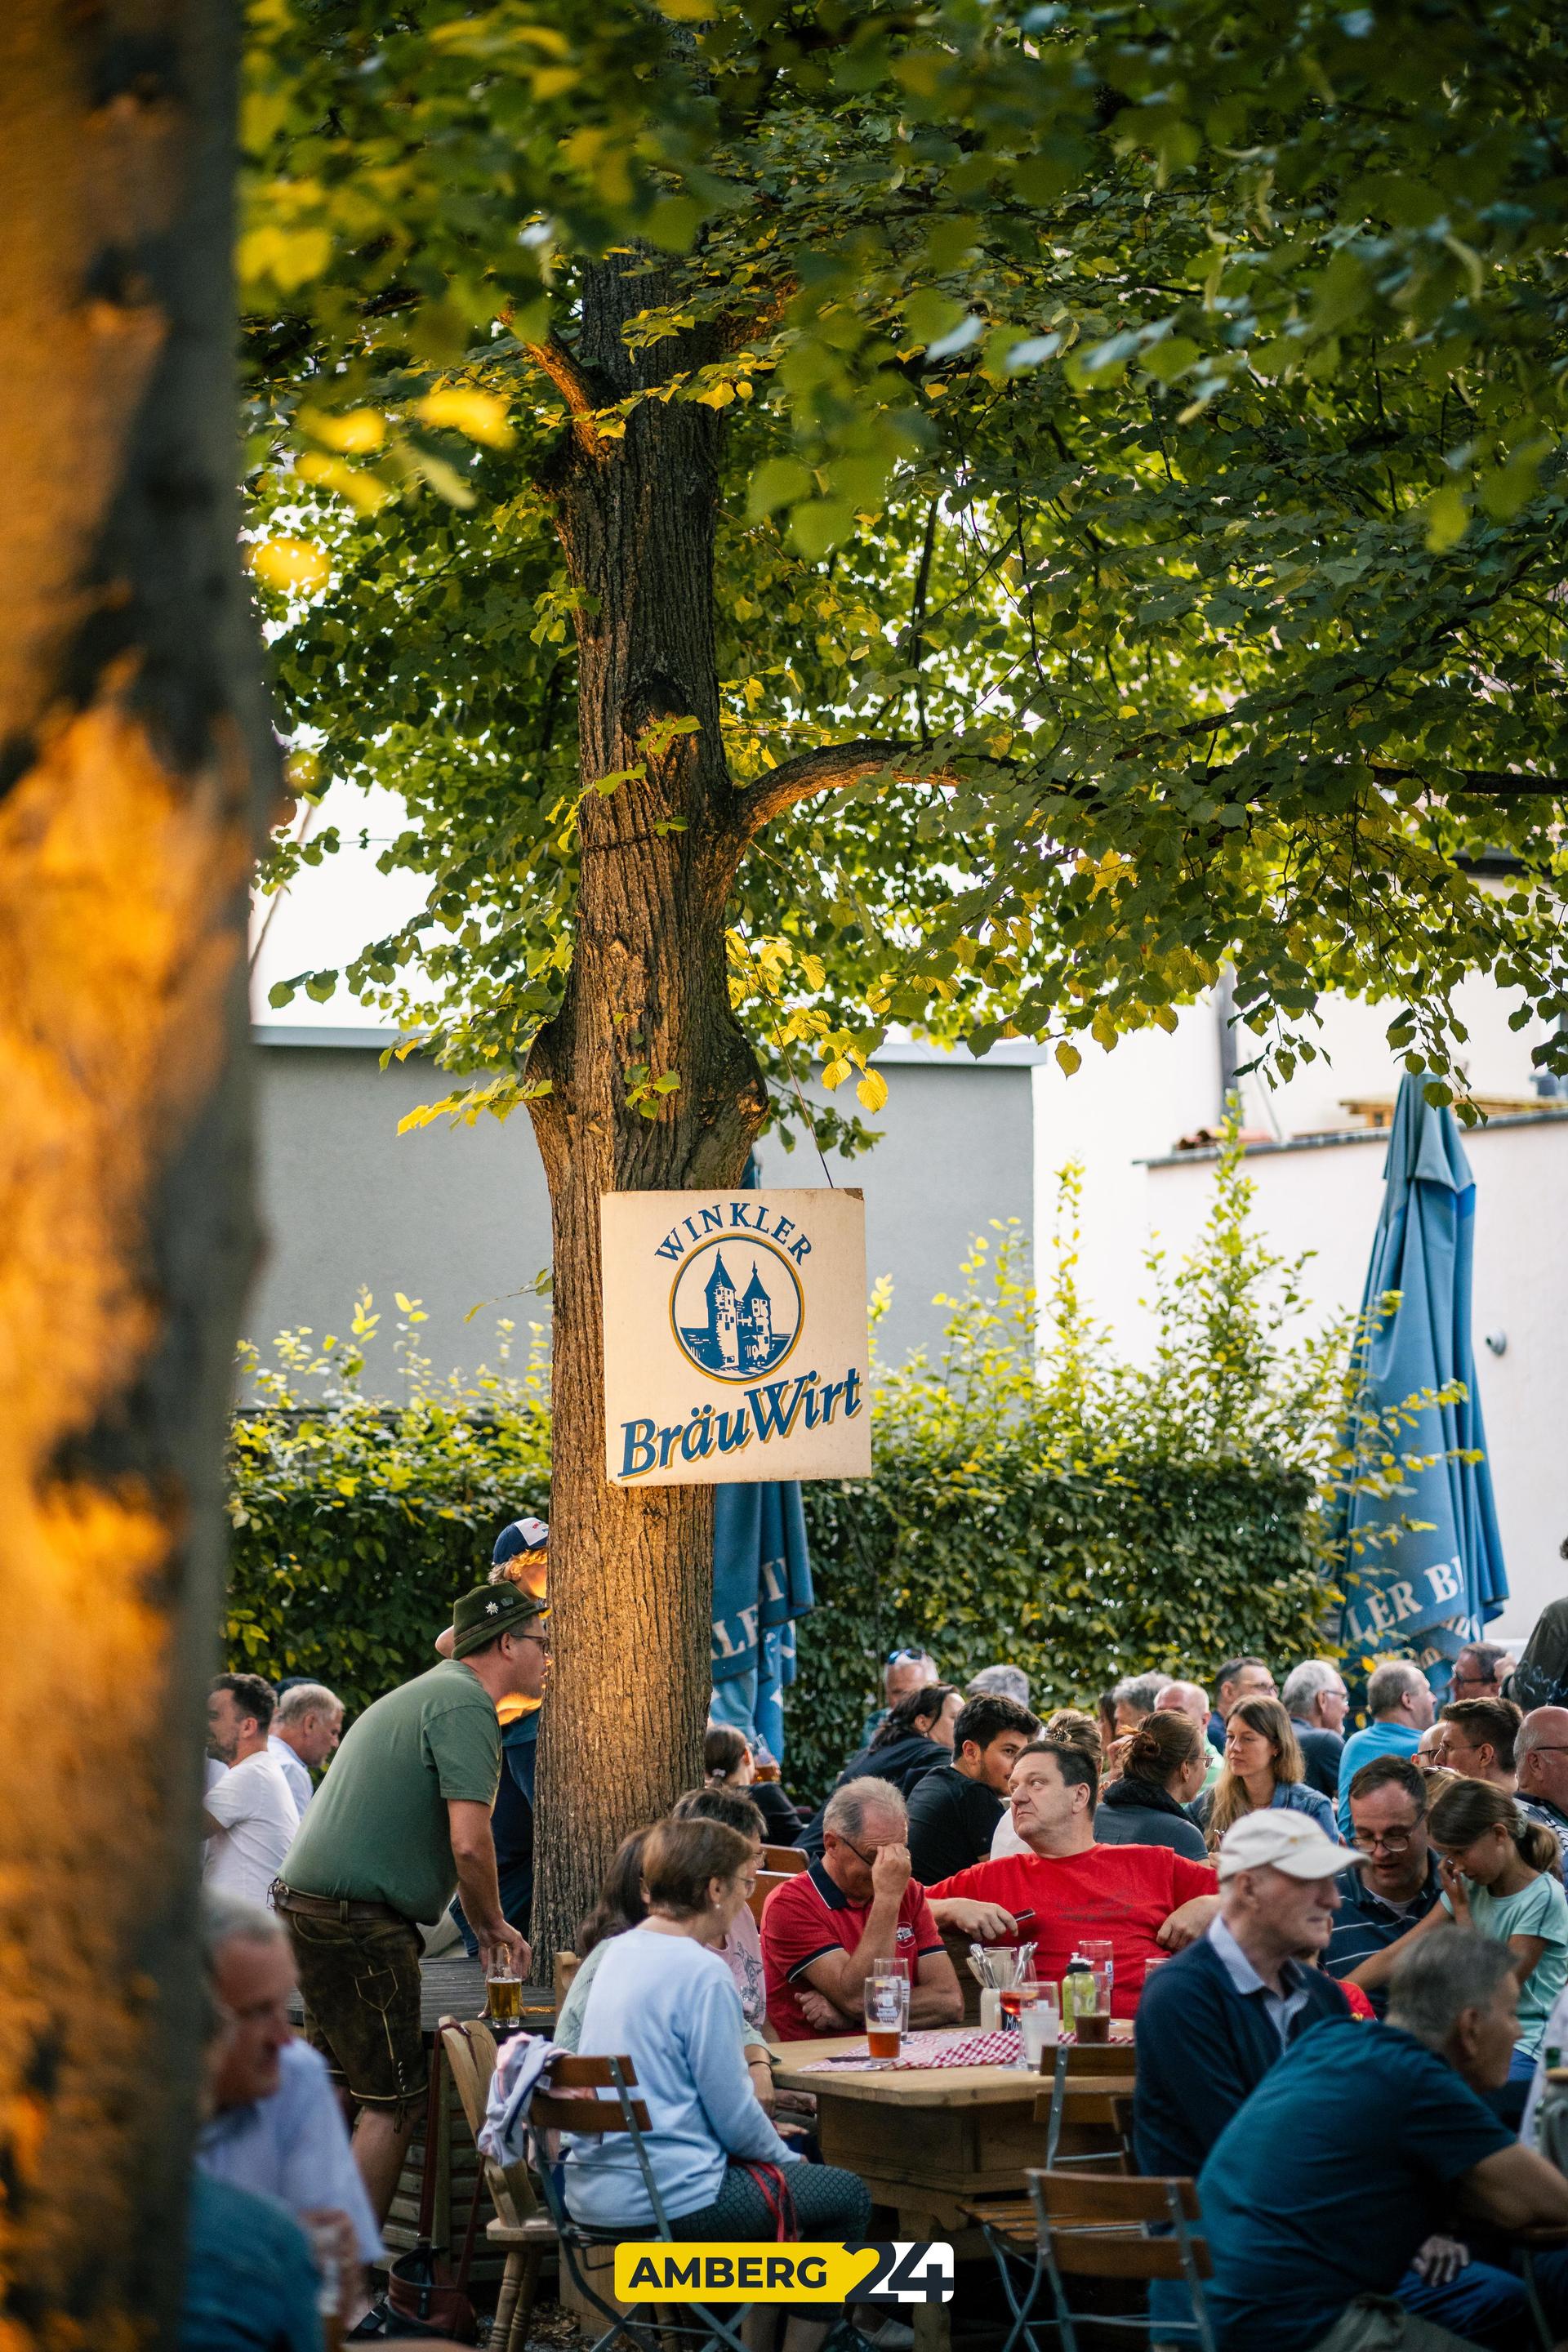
x,y
747,1325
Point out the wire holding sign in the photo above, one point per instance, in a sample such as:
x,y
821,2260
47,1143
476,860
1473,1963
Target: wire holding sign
x,y
735,1336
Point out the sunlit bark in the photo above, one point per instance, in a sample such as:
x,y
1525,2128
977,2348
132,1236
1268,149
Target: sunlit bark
x,y
133,759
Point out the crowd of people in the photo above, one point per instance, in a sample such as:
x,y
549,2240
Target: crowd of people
x,y
1367,1938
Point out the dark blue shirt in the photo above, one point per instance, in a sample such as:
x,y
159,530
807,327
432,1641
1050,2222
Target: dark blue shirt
x,y
250,2284
1321,1752
1202,2047
1365,1923
1322,2187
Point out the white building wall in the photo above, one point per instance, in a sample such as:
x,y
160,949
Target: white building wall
x,y
1127,1109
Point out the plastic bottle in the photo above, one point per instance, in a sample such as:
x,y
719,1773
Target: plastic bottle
x,y
1077,1991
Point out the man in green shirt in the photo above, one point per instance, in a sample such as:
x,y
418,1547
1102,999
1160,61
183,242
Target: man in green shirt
x,y
401,1823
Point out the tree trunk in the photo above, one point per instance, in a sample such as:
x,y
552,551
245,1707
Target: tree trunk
x,y
132,756
631,1571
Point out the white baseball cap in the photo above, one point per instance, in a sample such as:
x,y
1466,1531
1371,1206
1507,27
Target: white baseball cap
x,y
1269,1840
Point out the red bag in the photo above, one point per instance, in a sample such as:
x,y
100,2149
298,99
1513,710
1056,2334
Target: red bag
x,y
778,2197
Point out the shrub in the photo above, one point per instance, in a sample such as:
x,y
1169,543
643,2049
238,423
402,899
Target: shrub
x,y
1035,1500
357,1522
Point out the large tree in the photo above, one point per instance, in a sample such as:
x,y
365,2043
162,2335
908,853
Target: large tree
x,y
136,770
967,520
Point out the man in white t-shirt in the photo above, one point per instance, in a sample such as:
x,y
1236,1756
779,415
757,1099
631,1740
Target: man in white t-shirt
x,y
249,1816
306,1729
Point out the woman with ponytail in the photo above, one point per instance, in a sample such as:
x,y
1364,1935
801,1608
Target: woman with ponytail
x,y
1499,1873
1164,1766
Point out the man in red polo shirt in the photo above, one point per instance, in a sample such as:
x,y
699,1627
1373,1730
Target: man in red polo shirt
x,y
824,1929
1141,1899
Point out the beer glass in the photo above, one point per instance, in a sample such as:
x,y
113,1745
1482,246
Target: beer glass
x,y
503,1991
887,2008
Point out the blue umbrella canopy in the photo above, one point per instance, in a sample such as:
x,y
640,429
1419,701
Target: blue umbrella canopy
x,y
1432,1588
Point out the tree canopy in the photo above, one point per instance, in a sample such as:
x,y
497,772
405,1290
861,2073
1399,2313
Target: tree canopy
x,y
1140,494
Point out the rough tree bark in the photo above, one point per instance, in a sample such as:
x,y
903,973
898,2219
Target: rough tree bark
x,y
632,1571
133,759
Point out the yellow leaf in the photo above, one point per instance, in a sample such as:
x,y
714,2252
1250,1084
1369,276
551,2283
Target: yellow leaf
x,y
1069,1059
834,1073
368,492
292,566
355,433
480,416
872,1090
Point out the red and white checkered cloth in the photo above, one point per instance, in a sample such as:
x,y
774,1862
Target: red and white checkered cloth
x,y
921,2050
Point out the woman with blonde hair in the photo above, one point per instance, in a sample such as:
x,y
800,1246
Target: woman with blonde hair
x,y
1262,1768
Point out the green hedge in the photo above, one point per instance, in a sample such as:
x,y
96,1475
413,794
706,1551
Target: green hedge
x,y
1074,1581
1036,1499
356,1523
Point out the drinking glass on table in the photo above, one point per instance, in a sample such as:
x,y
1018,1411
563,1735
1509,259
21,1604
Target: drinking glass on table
x,y
503,1990
1039,2022
1100,1953
887,2008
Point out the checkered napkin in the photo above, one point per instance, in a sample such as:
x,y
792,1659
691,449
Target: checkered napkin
x,y
922,2050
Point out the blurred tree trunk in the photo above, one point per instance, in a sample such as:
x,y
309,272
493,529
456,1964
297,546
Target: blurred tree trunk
x,y
134,765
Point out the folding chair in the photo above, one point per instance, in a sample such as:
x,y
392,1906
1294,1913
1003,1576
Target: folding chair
x,y
1091,2087
622,2113
519,2226
1109,2068
1127,2229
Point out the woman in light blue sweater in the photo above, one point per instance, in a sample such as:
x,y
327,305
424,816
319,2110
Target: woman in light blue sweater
x,y
662,1997
1263,1768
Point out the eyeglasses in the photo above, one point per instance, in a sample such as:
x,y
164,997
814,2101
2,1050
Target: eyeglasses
x,y
543,1639
1392,1841
905,1657
1547,1748
869,1859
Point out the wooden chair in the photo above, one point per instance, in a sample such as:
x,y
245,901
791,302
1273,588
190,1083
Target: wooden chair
x,y
619,2113
766,1882
519,2226
1091,2092
1133,2230
787,1860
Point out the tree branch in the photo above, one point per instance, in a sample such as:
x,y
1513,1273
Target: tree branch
x,y
1496,784
576,383
831,768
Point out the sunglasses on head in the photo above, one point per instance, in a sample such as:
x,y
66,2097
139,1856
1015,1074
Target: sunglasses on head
x,y
905,1657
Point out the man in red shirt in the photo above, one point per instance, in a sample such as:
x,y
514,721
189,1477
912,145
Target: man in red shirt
x,y
1141,1899
824,1929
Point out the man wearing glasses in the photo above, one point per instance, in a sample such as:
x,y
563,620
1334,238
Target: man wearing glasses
x,y
1397,1885
1540,1760
401,1823
1478,1672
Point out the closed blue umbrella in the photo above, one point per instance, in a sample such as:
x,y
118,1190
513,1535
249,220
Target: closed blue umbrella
x,y
1431,1589
762,1584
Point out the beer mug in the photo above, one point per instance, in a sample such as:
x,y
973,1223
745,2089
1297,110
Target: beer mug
x,y
887,2008
503,1991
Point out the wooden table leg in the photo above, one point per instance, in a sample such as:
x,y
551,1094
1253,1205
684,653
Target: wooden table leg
x,y
931,2321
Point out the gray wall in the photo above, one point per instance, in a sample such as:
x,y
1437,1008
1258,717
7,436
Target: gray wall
x,y
957,1150
457,1217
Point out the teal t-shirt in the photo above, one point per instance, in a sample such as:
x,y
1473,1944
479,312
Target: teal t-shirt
x,y
1538,1909
376,1831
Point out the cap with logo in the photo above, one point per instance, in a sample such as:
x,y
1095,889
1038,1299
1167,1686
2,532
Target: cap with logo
x,y
493,1609
1275,1840
523,1534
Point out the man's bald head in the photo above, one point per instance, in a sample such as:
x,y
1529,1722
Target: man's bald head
x,y
1189,1699
1540,1756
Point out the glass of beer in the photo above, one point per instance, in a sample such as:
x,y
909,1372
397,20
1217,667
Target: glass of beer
x,y
503,1991
887,2008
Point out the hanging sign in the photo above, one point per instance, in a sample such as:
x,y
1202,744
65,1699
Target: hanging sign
x,y
735,1336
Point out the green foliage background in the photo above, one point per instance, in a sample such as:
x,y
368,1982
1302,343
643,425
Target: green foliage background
x,y
1034,1497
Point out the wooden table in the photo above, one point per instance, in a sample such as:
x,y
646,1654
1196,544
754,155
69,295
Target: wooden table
x,y
923,2139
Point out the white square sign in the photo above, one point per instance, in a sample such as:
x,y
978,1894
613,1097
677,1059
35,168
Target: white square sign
x,y
735,1336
